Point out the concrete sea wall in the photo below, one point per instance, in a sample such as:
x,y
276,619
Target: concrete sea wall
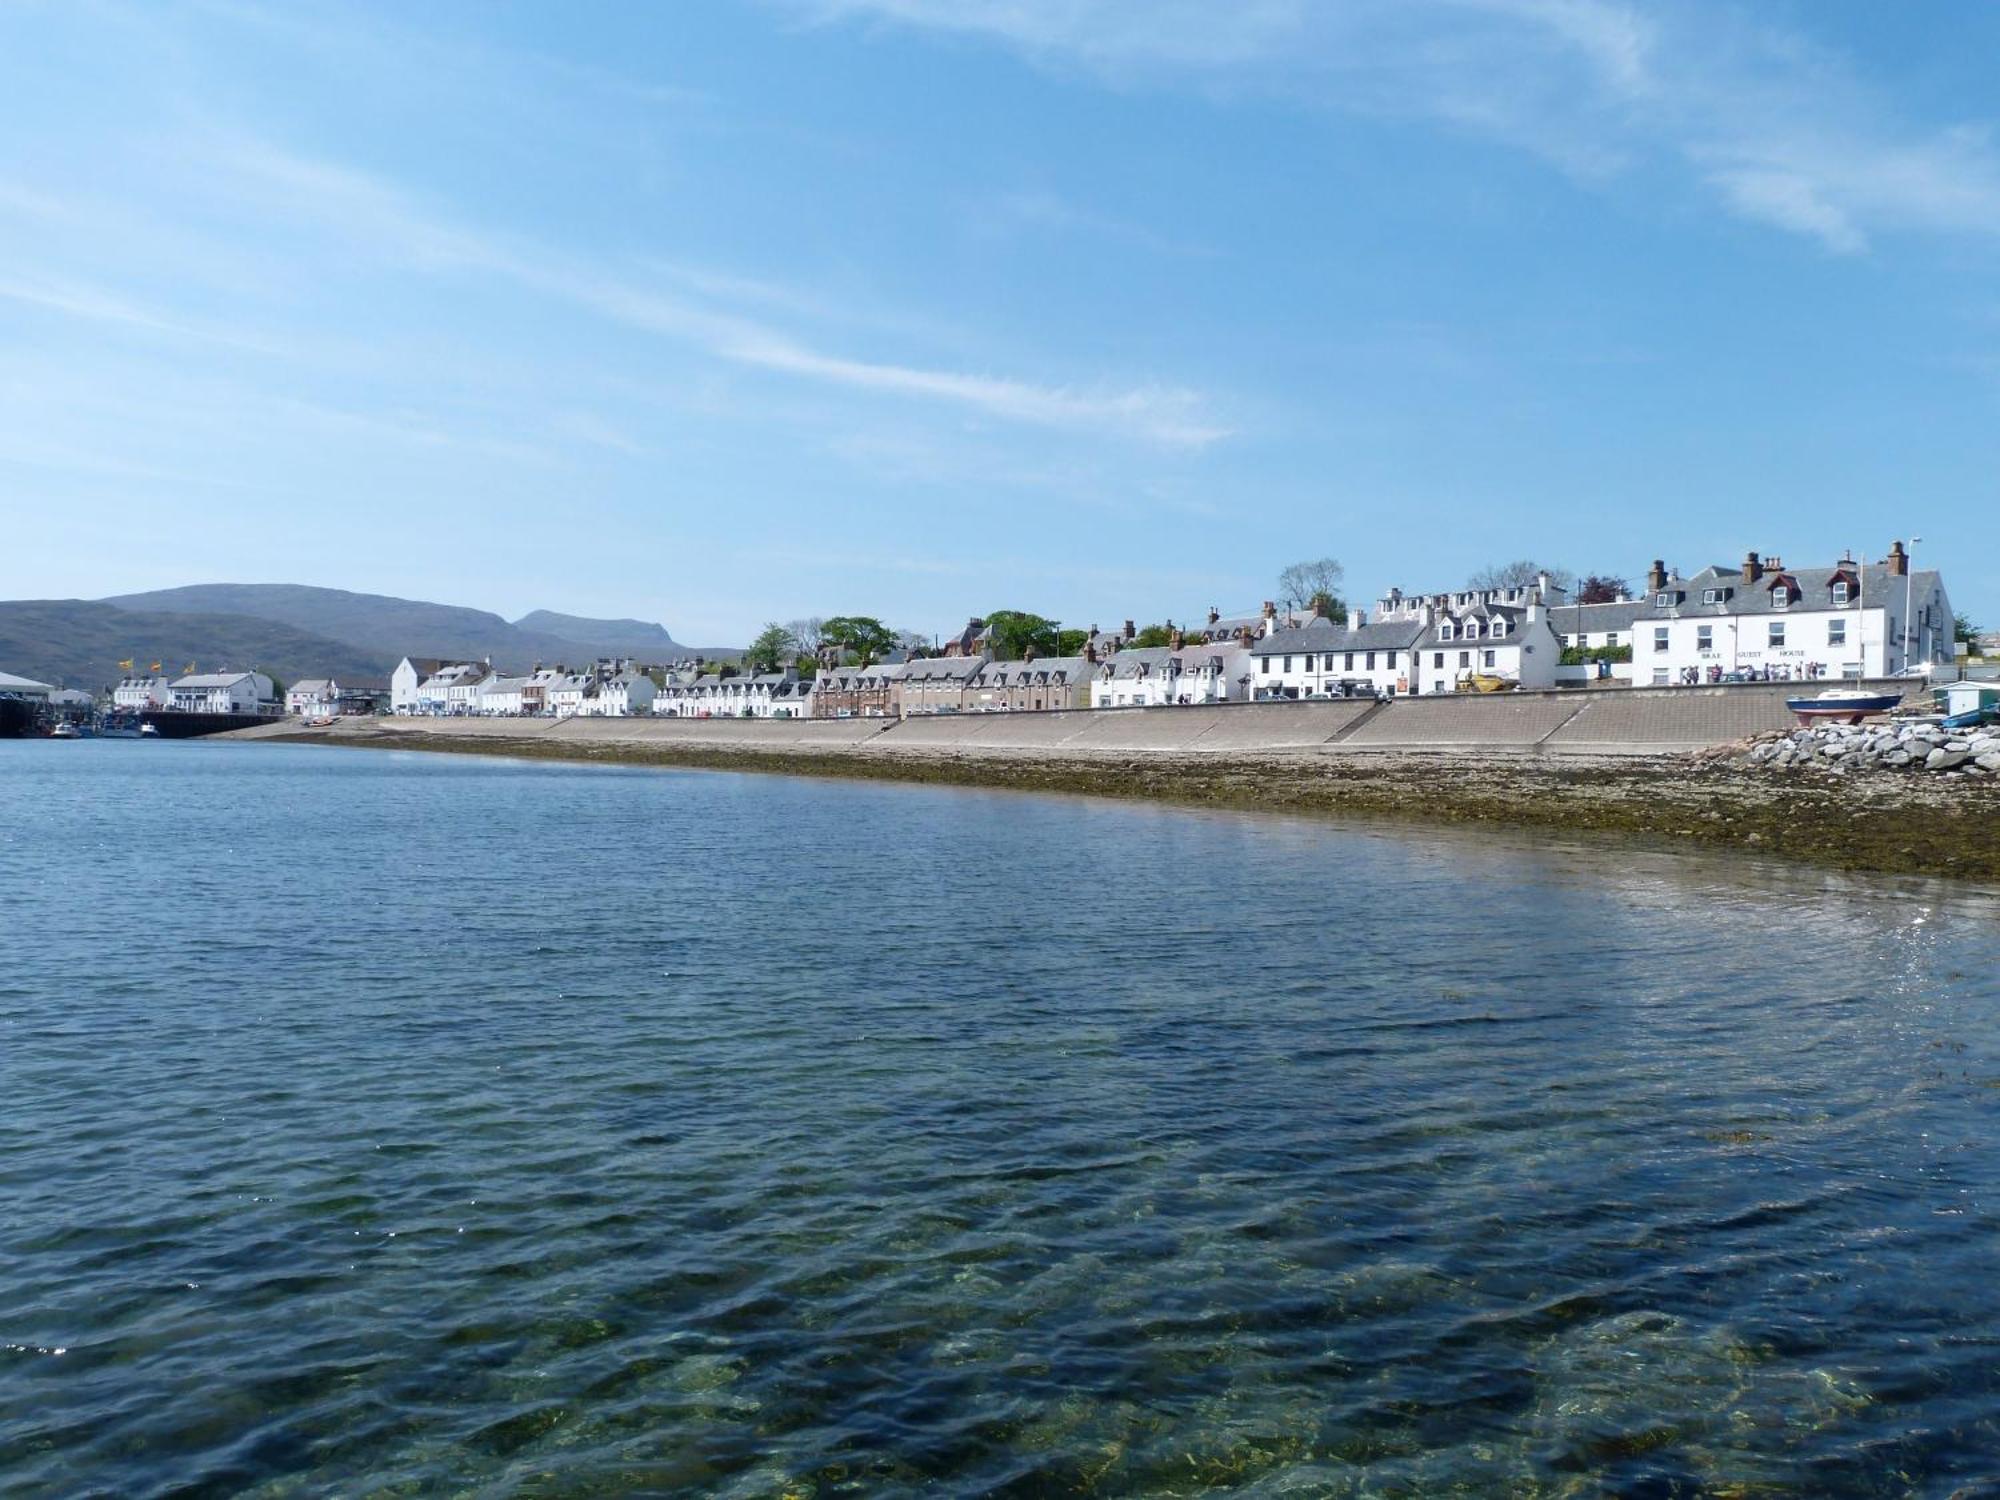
x,y
1599,721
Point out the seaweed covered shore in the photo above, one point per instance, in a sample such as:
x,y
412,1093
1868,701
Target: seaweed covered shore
x,y
1920,826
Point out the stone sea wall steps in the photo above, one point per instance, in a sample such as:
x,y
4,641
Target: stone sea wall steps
x,y
1668,717
1517,721
720,733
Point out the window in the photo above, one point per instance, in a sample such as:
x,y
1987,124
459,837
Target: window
x,y
1392,659
1781,597
1437,659
1659,677
1465,658
1659,637
1704,637
1444,631
1836,632
1488,655
1350,662
1288,664
1309,661
1610,637
1472,630
1371,661
1267,666
1563,641
1711,596
1663,601
1777,637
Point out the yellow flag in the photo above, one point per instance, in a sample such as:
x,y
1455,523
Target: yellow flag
x,y
126,664
155,667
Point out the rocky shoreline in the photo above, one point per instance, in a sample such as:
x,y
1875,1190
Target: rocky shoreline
x,y
1850,748
1916,825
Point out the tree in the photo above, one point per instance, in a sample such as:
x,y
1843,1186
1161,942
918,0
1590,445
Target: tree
x,y
1153,635
810,633
862,637
1602,588
913,642
1962,629
768,652
1015,632
1071,642
1314,585
1519,574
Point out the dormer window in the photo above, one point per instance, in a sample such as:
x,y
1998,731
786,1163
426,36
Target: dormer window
x,y
1499,629
1711,596
1663,601
1781,597
1840,591
1444,630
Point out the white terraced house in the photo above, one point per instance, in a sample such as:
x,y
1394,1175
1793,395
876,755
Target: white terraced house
x,y
452,689
505,697
563,693
136,693
313,697
1765,620
1153,676
1320,659
620,696
223,693
406,682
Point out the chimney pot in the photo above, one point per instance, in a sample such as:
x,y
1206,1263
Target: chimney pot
x,y
1129,630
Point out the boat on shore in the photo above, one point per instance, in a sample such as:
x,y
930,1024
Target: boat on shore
x,y
1842,705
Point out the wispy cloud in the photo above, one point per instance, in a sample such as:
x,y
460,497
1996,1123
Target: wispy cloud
x,y
393,223
1778,131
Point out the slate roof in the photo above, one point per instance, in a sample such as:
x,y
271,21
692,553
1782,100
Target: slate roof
x,y
1135,661
1320,634
1591,619
1878,587
936,668
1041,669
210,679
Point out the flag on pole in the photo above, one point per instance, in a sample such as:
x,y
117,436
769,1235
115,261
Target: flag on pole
x,y
126,664
155,667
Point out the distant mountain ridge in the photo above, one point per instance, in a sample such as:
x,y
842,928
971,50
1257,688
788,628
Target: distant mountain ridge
x,y
415,627
79,643
294,630
630,637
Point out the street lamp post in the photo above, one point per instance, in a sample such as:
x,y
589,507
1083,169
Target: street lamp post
x,y
1909,595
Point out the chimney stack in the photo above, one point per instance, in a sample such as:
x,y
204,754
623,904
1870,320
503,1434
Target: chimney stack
x,y
1130,631
1898,561
1090,652
1657,579
1214,614
1356,618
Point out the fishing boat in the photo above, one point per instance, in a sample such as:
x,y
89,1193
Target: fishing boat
x,y
67,731
1842,705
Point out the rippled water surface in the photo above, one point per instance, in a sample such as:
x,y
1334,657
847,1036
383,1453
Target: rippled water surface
x,y
405,1124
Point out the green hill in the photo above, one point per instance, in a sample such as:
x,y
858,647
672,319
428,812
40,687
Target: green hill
x,y
78,643
394,628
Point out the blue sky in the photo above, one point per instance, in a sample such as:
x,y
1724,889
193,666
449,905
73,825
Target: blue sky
x,y
716,313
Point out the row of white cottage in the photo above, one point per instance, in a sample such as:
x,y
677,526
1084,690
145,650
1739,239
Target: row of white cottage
x,y
1761,619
